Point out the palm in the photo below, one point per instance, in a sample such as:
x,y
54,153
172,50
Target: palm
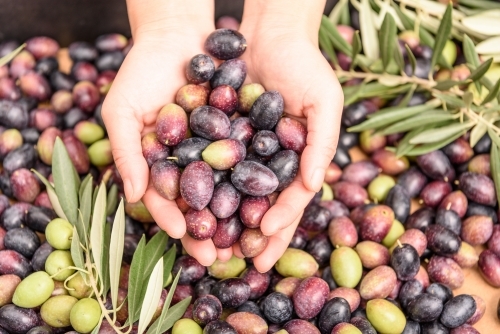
x,y
295,68
149,79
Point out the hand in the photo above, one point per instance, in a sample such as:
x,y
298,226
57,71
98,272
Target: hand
x,y
284,56
149,78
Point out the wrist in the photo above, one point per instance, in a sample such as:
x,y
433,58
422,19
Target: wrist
x,y
155,19
276,18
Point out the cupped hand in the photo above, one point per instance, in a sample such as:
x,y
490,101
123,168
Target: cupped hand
x,y
290,62
149,78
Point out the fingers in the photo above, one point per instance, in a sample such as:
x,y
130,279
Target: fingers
x,y
166,213
277,245
124,132
288,207
224,254
202,250
323,109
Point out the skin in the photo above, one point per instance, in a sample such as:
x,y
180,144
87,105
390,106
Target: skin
x,y
282,55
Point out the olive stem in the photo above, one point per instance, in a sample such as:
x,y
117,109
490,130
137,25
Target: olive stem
x,y
399,243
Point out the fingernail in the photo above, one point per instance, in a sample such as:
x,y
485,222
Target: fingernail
x,y
317,179
129,189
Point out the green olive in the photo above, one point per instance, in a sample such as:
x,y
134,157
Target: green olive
x,y
296,263
379,187
78,288
57,263
386,317
85,315
231,268
59,233
397,230
346,267
327,192
186,326
56,310
34,290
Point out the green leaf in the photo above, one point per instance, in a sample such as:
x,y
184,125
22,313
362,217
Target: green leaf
x,y
166,305
381,118
411,58
5,59
83,224
339,43
493,93
112,201
398,58
345,16
97,228
406,99
148,257
65,186
52,195
76,251
136,279
168,262
327,46
83,184
426,148
439,134
116,252
470,53
477,133
450,100
387,39
356,48
404,145
152,297
174,314
422,119
368,31
495,166
105,257
336,12
494,137
480,4
489,46
480,71
442,36
447,84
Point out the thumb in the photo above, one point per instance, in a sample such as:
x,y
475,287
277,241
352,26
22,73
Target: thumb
x,y
323,109
124,132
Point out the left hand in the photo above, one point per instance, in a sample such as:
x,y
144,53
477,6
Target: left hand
x,y
289,61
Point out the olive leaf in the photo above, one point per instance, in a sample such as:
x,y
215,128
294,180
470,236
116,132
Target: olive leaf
x,y
485,23
155,327
480,71
477,133
64,181
356,48
327,46
398,58
152,297
116,252
112,200
451,101
76,251
369,36
8,57
339,43
494,136
381,119
387,39
168,263
426,148
495,166
85,208
471,57
97,228
105,257
492,94
443,34
447,84
52,195
406,99
404,145
489,46
174,314
439,134
148,255
411,58
135,281
337,11
424,118
480,4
